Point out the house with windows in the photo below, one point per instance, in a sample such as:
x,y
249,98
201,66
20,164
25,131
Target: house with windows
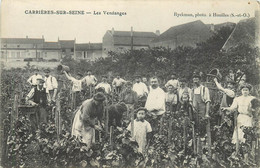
x,y
120,41
67,47
21,48
88,51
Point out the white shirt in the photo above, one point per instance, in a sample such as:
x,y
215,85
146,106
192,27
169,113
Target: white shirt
x,y
242,104
33,79
106,86
156,100
140,131
50,83
90,80
173,82
77,84
118,82
140,88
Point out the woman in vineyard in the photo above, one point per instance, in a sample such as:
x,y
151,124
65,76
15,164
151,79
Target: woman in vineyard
x,y
243,105
84,123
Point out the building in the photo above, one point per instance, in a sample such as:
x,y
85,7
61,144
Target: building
x,y
120,41
188,34
51,51
67,47
88,51
21,48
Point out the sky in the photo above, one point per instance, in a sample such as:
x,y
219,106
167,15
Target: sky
x,y
142,15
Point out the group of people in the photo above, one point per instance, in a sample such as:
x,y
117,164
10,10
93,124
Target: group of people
x,y
144,98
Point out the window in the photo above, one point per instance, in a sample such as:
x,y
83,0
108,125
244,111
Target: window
x,y
85,54
18,55
13,54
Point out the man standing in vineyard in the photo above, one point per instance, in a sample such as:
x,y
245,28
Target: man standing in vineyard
x,y
76,86
200,101
90,79
129,97
118,84
156,98
89,83
141,89
228,94
38,97
33,79
104,85
51,86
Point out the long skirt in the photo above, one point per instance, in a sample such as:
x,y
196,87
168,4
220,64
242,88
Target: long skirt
x,y
242,120
86,134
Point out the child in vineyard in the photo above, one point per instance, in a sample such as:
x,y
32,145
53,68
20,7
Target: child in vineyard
x,y
171,98
141,129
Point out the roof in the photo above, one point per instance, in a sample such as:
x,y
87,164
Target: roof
x,y
192,28
218,26
89,46
67,43
139,38
22,40
244,32
51,45
229,24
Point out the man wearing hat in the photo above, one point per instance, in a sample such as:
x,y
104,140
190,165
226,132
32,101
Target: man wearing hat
x,y
90,79
200,101
84,123
51,85
76,86
173,81
38,97
118,83
228,93
33,79
104,84
141,89
129,97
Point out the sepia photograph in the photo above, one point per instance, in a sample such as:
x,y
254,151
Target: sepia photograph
x,y
126,84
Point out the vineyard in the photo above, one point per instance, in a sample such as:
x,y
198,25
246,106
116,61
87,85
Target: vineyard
x,y
170,146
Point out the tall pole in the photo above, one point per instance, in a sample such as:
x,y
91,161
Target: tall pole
x,y
132,39
74,49
36,52
6,52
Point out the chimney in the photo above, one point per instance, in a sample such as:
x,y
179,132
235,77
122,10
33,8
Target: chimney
x,y
42,36
212,27
27,37
132,31
58,38
157,32
113,31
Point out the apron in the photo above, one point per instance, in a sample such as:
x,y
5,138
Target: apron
x,y
242,120
78,130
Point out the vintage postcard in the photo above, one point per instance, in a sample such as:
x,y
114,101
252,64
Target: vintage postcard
x,y
171,83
